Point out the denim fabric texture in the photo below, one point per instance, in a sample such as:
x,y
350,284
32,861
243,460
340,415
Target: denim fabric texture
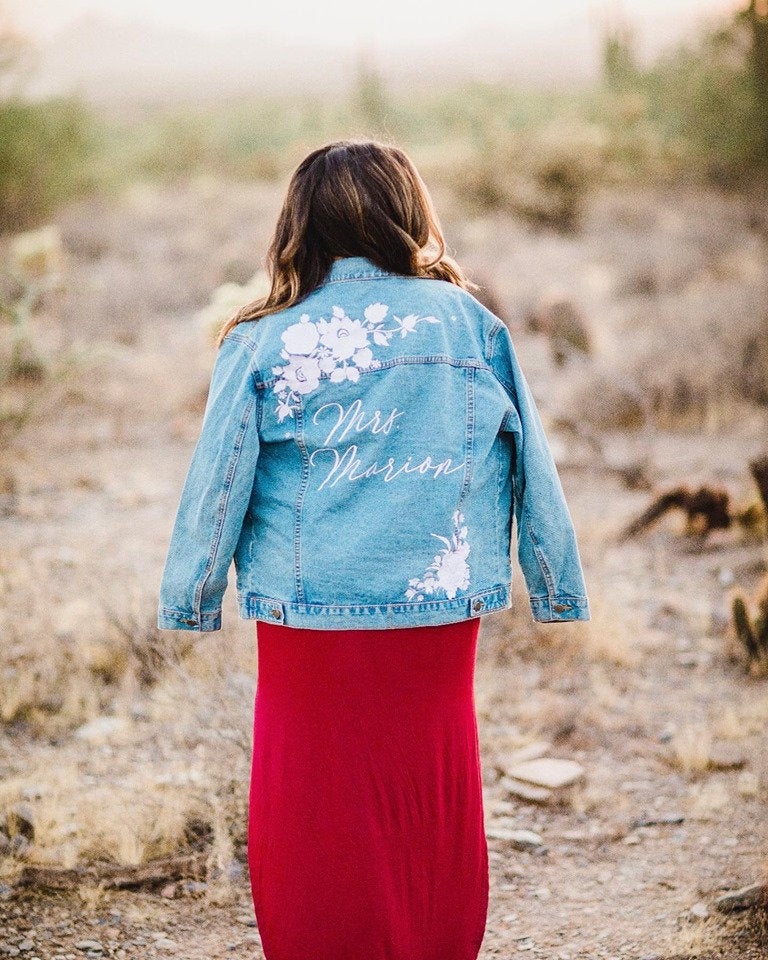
x,y
368,458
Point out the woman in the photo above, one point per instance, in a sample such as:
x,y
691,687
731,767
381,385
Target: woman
x,y
368,443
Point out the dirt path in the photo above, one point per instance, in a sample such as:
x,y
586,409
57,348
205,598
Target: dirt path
x,y
644,690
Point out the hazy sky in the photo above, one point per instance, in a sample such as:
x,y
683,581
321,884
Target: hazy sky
x,y
348,20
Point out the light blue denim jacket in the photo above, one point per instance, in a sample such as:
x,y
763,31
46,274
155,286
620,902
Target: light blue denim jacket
x,y
362,457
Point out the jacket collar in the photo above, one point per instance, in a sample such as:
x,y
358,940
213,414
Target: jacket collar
x,y
348,268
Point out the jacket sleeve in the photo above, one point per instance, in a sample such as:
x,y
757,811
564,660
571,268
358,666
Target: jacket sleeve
x,y
546,540
215,495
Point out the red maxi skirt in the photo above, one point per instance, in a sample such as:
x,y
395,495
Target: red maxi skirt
x,y
366,836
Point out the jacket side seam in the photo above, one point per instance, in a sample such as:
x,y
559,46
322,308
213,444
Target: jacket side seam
x,y
223,503
468,433
497,502
299,505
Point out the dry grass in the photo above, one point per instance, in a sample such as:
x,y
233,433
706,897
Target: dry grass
x,y
691,748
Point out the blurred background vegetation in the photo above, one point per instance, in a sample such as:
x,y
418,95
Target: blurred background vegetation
x,y
700,111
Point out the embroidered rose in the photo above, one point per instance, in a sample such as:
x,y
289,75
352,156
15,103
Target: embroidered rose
x,y
302,374
342,335
363,358
449,571
338,348
375,313
301,337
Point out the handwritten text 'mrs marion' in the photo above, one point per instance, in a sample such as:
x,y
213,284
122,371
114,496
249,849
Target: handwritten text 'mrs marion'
x,y
343,421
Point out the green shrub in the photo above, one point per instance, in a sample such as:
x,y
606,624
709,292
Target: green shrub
x,y
44,148
704,95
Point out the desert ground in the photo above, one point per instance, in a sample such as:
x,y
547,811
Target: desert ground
x,y
124,747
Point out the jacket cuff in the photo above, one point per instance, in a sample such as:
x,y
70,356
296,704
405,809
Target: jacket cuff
x,y
178,620
556,609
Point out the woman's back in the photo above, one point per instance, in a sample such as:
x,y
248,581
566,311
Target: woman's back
x,y
367,443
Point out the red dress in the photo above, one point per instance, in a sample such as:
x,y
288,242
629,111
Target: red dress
x,y
366,837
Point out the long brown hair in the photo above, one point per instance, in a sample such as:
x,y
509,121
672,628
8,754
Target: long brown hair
x,y
351,198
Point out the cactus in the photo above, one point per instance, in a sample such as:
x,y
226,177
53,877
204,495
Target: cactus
x,y
752,631
34,269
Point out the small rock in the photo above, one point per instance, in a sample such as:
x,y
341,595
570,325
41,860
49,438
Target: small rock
x,y
100,729
726,756
168,891
671,818
699,910
747,785
755,895
547,772
632,839
32,792
519,839
667,733
195,886
529,752
726,577
19,845
89,945
525,790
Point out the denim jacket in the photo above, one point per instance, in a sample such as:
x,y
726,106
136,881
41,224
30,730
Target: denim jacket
x,y
362,458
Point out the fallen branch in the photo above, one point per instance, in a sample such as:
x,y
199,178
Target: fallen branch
x,y
114,876
707,508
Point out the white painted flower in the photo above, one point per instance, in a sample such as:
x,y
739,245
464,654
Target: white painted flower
x,y
301,337
452,569
338,349
376,312
363,358
302,374
342,336
449,570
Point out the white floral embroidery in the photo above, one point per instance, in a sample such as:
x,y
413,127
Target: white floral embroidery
x,y
339,347
449,571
